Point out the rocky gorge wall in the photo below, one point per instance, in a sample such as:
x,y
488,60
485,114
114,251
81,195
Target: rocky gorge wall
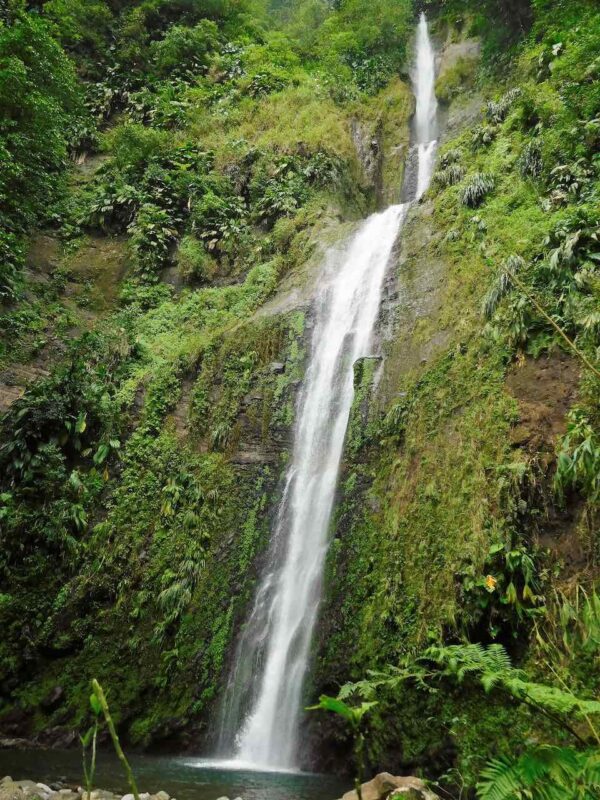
x,y
151,602
138,569
449,461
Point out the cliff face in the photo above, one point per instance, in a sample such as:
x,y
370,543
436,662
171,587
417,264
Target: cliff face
x,y
142,472
451,456
143,469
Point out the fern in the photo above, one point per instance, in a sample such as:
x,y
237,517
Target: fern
x,y
543,773
491,666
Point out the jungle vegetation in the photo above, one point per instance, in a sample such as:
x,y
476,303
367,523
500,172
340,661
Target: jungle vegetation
x,y
168,169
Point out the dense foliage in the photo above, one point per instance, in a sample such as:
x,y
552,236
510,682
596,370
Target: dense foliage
x,y
170,171
181,159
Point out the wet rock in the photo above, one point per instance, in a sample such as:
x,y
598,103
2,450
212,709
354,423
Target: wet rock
x,y
160,796
369,151
28,786
13,743
277,367
53,698
386,786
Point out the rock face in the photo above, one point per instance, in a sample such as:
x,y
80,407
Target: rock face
x,y
385,787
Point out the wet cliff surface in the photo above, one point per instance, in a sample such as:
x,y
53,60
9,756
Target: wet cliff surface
x,y
134,536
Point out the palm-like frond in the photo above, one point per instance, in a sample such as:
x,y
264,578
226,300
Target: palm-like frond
x,y
502,285
476,188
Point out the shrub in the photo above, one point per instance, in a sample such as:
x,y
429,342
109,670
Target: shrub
x,y
497,111
152,234
530,163
482,136
453,173
265,82
450,157
218,219
39,105
133,145
475,190
195,264
185,51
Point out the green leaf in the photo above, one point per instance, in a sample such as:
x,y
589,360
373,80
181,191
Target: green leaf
x,y
88,735
95,704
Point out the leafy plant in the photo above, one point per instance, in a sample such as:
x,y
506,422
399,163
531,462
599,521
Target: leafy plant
x,y
502,285
530,162
497,110
477,187
100,705
453,173
506,593
578,464
543,773
354,716
482,136
152,234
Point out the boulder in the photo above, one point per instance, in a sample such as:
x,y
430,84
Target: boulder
x,y
101,794
32,789
9,790
391,787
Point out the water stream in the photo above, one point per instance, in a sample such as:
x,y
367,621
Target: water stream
x,y
262,707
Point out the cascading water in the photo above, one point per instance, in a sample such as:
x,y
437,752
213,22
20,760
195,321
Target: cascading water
x,y
261,712
425,119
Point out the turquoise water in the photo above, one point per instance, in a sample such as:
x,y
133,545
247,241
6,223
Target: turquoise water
x,y
183,777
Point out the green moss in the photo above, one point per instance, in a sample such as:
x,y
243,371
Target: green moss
x,y
456,79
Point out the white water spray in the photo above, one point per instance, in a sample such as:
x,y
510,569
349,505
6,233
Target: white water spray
x,y
425,120
262,708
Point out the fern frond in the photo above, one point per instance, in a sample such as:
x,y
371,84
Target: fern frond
x,y
541,773
550,698
501,780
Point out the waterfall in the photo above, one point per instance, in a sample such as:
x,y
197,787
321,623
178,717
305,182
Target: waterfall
x,y
262,707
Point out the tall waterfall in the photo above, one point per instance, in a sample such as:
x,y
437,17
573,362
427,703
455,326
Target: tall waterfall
x,y
261,712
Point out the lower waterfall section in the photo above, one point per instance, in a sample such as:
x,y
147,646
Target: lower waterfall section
x,y
276,639
262,706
